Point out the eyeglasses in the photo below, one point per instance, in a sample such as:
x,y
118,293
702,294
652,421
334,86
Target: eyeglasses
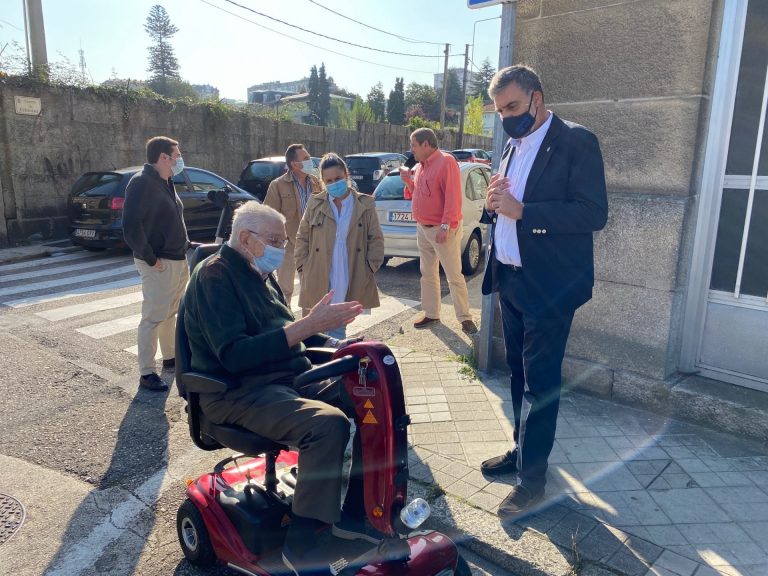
x,y
272,240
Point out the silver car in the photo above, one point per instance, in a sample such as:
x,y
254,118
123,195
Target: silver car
x,y
399,228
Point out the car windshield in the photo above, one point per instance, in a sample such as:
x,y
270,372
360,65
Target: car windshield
x,y
462,154
362,164
97,184
264,170
391,188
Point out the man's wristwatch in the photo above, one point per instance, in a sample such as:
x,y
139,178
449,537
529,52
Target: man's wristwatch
x,y
444,227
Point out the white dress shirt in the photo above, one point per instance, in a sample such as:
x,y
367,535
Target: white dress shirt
x,y
340,261
523,154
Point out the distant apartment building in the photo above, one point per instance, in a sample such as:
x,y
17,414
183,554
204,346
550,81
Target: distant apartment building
x,y
438,78
206,91
265,92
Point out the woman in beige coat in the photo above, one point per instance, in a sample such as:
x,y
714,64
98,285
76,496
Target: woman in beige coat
x,y
339,245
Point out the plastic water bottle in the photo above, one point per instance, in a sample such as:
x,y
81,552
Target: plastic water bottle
x,y
415,513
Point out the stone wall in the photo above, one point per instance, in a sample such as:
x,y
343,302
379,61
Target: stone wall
x,y
80,130
639,75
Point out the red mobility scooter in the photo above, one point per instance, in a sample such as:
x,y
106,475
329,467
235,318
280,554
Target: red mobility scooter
x,y
238,515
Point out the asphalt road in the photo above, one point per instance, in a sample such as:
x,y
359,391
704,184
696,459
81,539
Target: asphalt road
x,y
99,465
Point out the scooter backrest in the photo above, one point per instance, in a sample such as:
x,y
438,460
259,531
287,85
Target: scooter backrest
x,y
183,352
201,253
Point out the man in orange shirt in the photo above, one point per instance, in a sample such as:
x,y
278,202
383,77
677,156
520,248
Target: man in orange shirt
x,y
436,205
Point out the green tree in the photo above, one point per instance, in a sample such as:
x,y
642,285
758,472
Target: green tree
x,y
163,64
473,122
425,96
377,101
396,103
324,97
313,101
174,88
453,92
482,79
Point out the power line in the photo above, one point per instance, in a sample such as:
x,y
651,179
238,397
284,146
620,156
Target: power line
x,y
403,38
330,37
313,45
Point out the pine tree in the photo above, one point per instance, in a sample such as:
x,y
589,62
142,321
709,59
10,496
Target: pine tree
x,y
324,96
377,101
453,91
313,101
482,79
396,103
162,62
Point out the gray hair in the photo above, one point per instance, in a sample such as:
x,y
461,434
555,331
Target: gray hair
x,y
252,216
422,135
520,74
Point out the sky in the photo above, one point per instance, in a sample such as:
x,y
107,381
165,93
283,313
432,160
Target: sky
x,y
231,48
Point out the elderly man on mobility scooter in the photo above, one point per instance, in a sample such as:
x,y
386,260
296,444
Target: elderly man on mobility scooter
x,y
239,326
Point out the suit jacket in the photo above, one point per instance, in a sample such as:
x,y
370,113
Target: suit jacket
x,y
565,202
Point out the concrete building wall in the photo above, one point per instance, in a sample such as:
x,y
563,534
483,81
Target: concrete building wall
x,y
639,75
81,130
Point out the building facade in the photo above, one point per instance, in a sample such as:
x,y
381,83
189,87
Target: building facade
x,y
676,91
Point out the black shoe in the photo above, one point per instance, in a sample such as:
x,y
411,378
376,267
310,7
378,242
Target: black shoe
x,y
170,363
519,501
349,528
153,382
499,465
425,321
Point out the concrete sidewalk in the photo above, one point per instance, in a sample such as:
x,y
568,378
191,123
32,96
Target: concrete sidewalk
x,y
629,492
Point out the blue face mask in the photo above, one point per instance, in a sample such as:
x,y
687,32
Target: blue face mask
x,y
270,260
519,126
178,166
337,189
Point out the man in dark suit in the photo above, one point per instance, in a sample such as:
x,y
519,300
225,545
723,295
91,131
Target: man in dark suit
x,y
545,203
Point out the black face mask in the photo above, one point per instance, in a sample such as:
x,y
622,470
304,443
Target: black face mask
x,y
518,126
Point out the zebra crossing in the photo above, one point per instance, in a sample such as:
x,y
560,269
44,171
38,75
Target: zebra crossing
x,y
78,287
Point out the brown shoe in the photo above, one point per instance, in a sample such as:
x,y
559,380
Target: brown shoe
x,y
468,327
520,501
500,465
425,321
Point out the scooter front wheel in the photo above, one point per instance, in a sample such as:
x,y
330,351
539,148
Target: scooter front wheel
x,y
193,535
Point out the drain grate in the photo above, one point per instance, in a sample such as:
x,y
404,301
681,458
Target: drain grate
x,y
12,516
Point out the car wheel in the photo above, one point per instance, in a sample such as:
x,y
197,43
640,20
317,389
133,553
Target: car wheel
x,y
193,535
462,568
470,259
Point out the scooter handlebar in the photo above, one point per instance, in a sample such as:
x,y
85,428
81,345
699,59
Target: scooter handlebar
x,y
329,370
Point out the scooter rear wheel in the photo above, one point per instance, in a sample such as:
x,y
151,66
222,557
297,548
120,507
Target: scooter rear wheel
x,y
193,535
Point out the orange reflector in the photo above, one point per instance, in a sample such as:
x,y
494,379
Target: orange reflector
x,y
378,512
370,418
368,404
189,481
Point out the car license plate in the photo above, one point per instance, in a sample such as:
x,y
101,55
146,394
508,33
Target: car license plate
x,y
82,233
401,217
357,177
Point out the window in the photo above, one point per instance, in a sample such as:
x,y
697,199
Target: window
x,y
102,184
477,185
203,181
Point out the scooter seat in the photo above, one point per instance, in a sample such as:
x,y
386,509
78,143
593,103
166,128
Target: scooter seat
x,y
237,438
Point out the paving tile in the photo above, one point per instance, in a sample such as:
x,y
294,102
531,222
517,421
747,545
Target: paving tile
x,y
475,478
678,480
545,518
444,427
692,465
688,506
462,489
757,531
659,571
454,449
650,453
634,562
687,550
756,569
742,511
419,418
631,508
705,570
500,487
679,565
729,495
759,477
572,528
443,480
712,533
665,535
603,477
485,500
425,438
601,543
750,463
421,472
648,467
707,479
592,449
412,401
457,469
718,464
437,462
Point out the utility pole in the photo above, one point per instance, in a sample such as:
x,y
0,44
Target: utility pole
x,y
460,137
445,87
484,342
36,52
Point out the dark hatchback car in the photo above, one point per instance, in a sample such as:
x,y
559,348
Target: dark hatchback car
x,y
95,205
367,170
258,174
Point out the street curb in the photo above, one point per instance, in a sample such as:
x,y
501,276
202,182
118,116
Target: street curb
x,y
24,253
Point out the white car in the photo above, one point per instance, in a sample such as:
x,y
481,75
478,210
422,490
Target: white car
x,y
399,228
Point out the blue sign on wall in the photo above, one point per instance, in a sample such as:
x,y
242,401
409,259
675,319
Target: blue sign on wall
x,y
485,3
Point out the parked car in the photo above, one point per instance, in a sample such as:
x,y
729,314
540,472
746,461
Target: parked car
x,y
472,155
258,174
399,228
368,169
95,205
